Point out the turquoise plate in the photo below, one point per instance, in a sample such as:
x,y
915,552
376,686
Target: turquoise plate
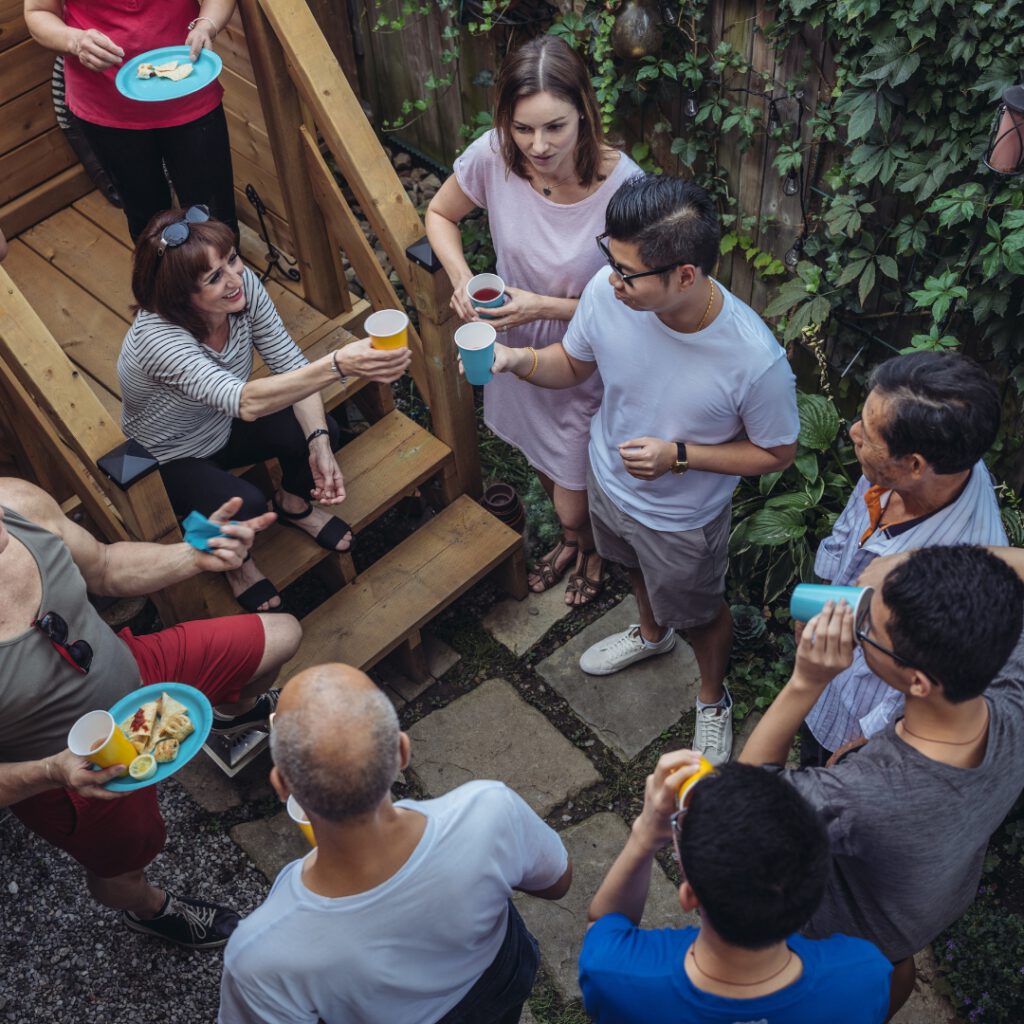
x,y
199,711
156,90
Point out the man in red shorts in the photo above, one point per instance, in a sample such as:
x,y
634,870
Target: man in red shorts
x,y
59,660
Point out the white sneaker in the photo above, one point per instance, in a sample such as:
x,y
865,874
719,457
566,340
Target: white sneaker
x,y
621,649
712,735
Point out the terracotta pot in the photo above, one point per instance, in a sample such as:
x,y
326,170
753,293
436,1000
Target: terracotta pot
x,y
503,503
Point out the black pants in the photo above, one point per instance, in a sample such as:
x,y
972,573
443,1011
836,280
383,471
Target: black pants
x,y
500,992
205,484
198,160
812,753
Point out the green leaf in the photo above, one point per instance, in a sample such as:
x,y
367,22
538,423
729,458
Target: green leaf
x,y
862,118
807,466
771,527
640,151
819,421
767,481
866,283
887,265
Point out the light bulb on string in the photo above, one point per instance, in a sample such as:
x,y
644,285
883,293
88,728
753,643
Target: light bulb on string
x,y
793,254
791,186
690,109
773,115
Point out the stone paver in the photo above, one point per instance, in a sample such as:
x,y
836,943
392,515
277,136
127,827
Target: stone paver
x,y
527,1017
492,733
271,842
633,707
925,1005
216,792
520,624
560,925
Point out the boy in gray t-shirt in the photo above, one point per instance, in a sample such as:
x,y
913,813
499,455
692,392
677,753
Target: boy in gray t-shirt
x,y
909,814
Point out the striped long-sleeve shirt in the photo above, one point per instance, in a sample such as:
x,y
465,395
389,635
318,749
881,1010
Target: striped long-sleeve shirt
x,y
179,397
858,703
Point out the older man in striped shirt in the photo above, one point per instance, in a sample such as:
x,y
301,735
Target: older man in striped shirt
x,y
927,421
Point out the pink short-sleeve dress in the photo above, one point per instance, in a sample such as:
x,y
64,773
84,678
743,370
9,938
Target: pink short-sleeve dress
x,y
547,248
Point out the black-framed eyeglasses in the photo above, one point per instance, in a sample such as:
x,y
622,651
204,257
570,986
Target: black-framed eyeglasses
x,y
78,653
677,831
628,278
177,233
861,631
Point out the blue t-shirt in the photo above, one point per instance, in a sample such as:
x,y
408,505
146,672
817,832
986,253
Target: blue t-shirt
x,y
632,975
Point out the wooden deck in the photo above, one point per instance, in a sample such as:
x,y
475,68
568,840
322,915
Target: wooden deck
x,y
75,270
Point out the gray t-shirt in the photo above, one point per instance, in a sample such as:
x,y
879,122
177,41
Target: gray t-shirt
x,y
908,833
41,694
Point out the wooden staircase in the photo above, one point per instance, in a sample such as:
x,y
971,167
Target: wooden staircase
x,y
65,307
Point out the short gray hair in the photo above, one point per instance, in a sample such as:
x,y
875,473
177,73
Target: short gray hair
x,y
339,761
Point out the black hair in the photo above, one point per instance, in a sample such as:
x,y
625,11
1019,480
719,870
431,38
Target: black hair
x,y
756,854
941,405
956,614
668,219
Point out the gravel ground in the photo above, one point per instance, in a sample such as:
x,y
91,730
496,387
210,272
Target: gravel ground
x,y
66,960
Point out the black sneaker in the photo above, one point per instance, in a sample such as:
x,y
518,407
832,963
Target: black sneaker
x,y
256,716
194,924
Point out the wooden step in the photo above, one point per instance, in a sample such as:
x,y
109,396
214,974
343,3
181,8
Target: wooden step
x,y
381,466
411,584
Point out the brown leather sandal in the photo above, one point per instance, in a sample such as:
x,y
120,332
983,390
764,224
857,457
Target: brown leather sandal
x,y
545,569
580,583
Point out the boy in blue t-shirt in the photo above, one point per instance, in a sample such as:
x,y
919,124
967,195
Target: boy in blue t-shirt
x,y
754,859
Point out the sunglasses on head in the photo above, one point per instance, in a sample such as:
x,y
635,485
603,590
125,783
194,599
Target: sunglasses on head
x,y
77,654
177,233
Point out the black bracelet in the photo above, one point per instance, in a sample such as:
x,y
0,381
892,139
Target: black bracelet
x,y
319,432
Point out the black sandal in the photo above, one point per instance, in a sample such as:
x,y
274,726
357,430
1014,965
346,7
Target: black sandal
x,y
332,534
261,592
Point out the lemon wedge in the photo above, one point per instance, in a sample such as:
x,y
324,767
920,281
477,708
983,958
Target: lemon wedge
x,y
142,767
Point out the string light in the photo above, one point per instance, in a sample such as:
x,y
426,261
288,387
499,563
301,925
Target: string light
x,y
691,106
791,186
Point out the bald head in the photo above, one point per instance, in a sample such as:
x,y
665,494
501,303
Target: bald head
x,y
336,741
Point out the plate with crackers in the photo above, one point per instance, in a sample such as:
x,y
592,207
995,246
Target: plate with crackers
x,y
167,723
166,73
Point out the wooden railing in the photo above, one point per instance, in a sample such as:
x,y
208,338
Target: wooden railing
x,y
306,96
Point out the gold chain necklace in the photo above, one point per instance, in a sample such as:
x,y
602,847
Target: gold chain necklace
x,y
707,309
740,984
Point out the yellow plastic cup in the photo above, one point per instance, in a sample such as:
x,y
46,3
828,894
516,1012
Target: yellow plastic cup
x,y
298,815
388,329
706,768
98,738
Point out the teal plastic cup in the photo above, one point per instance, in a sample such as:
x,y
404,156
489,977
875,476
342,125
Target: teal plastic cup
x,y
809,598
486,291
476,347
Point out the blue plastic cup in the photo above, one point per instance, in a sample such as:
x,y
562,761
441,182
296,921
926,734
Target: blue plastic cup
x,y
486,291
809,598
476,347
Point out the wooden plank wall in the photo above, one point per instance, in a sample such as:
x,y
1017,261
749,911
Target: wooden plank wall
x,y
39,172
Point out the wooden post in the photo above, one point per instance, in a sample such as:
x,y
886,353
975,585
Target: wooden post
x,y
452,416
283,115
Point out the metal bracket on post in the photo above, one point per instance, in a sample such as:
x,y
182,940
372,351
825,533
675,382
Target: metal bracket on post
x,y
273,255
232,753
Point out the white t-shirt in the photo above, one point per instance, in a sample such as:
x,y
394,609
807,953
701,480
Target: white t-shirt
x,y
408,950
728,381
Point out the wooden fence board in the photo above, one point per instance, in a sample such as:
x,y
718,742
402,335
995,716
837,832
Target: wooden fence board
x,y
13,29
26,116
23,67
53,194
43,157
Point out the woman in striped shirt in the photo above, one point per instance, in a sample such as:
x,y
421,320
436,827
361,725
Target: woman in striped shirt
x,y
187,398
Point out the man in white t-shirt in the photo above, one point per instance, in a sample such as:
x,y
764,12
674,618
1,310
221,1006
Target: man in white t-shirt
x,y
402,912
697,392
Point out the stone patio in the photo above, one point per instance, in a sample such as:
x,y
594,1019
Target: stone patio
x,y
516,727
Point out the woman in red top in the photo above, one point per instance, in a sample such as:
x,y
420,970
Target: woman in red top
x,y
135,141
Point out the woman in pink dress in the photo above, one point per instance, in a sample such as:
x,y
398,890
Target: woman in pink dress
x,y
544,175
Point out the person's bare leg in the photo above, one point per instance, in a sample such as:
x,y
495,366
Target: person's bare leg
x,y
650,629
711,645
563,554
242,579
281,637
313,523
129,891
573,511
902,985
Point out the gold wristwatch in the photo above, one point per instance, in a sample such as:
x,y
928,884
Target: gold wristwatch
x,y
680,465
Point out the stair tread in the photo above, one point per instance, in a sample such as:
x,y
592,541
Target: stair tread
x,y
382,465
410,585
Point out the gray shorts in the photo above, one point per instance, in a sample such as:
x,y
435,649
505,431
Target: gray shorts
x,y
684,572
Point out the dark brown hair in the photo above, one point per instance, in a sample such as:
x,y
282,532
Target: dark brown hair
x,y
548,64
165,284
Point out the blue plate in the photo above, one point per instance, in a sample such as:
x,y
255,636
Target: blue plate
x,y
156,90
199,711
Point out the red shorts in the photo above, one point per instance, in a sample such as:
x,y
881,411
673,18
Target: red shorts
x,y
113,837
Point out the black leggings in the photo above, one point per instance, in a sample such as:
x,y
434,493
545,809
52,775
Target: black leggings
x,y
205,484
198,160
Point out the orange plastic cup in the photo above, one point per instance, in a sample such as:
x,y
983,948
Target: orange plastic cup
x,y
388,329
298,815
706,768
98,738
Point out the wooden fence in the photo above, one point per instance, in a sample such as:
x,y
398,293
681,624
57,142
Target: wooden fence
x,y
387,68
